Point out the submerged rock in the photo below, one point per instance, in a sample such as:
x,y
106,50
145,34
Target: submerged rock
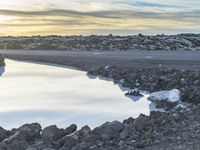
x,y
134,92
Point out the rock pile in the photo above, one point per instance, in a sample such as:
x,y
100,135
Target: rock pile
x,y
152,132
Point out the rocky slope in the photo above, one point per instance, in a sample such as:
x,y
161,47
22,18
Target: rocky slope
x,y
110,42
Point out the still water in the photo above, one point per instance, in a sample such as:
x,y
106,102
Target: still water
x,y
31,92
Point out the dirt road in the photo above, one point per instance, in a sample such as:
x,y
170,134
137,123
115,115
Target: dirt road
x,y
134,59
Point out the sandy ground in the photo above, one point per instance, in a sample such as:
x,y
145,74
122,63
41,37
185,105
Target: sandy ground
x,y
92,59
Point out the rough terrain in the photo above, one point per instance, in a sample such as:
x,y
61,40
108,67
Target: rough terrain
x,y
152,71
181,42
167,131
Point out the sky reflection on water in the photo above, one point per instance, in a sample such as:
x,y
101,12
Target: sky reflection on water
x,y
54,95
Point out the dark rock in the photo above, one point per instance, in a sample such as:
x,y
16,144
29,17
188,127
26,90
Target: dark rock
x,y
134,92
142,122
3,134
2,62
15,145
72,128
53,133
109,130
40,145
67,143
129,121
27,132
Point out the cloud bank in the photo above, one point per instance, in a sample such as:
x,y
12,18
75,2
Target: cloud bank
x,y
33,17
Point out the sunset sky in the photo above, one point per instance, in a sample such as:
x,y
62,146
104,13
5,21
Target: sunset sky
x,y
123,17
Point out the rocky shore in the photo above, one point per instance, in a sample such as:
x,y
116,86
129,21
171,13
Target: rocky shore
x,y
171,131
189,42
155,79
177,129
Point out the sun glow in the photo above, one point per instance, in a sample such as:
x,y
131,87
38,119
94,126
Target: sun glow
x,y
34,17
4,19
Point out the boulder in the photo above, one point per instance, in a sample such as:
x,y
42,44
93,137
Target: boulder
x,y
172,96
53,133
134,92
15,145
109,130
27,132
3,134
40,145
72,128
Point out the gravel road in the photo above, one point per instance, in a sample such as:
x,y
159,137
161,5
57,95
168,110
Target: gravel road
x,y
134,59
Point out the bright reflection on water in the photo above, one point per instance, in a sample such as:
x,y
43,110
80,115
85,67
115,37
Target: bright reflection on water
x,y
54,95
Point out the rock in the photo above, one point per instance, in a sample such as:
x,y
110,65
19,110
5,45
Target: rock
x,y
172,96
129,121
134,92
141,122
53,133
15,145
128,132
2,62
40,145
72,128
28,132
3,134
109,130
84,131
107,67
67,142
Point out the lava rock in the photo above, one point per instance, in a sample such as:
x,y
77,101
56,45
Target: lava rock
x,y
109,130
134,92
53,133
72,128
3,134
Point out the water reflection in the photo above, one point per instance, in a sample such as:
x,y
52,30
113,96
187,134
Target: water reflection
x,y
55,95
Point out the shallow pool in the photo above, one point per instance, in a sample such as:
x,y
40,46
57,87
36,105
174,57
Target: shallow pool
x,y
31,92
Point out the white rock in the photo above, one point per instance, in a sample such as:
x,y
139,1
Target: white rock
x,y
107,67
170,96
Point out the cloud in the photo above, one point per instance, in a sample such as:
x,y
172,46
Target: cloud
x,y
103,15
106,14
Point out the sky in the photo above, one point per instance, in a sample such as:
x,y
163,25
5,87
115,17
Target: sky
x,y
86,17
